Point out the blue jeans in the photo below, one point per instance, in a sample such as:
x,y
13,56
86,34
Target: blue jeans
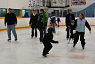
x,y
9,29
45,30
54,27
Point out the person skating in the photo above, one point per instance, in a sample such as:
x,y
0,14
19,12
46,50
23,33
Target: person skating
x,y
80,24
11,20
72,27
48,38
69,18
33,23
44,21
58,20
53,21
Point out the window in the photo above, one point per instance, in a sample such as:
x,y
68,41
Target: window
x,y
17,12
26,13
56,12
3,12
43,3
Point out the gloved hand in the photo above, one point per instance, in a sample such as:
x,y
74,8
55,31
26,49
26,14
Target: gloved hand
x,y
74,31
90,32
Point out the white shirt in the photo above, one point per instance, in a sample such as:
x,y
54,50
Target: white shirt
x,y
34,14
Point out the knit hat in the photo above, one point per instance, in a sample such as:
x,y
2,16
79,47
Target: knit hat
x,y
50,30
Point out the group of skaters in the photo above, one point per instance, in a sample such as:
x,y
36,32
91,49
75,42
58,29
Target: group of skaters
x,y
76,28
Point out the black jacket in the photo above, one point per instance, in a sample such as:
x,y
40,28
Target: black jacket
x,y
10,19
53,19
68,22
33,20
72,27
49,38
86,24
58,20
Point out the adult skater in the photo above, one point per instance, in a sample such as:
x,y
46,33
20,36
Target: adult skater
x,y
46,41
11,20
53,21
69,18
80,24
33,22
45,21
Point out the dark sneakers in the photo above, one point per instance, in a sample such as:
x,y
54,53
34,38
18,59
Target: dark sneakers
x,y
9,40
44,56
74,45
15,39
83,48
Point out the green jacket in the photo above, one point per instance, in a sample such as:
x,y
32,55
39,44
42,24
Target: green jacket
x,y
45,18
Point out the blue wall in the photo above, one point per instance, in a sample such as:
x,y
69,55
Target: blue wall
x,y
89,11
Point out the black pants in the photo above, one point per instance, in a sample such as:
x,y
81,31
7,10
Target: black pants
x,y
33,32
42,33
68,30
76,38
47,48
71,35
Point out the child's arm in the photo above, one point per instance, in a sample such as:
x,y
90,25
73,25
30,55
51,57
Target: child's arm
x,y
54,41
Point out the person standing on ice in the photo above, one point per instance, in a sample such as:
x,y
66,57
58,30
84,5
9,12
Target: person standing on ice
x,y
53,21
11,20
33,22
69,18
58,20
80,24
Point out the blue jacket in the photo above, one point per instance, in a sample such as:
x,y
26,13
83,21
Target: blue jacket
x,y
80,25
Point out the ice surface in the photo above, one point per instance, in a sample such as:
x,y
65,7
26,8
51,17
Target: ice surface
x,y
29,51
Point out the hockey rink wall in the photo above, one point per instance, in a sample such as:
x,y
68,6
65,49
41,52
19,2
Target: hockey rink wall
x,y
24,22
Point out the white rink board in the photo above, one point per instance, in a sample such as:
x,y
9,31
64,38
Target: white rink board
x,y
22,22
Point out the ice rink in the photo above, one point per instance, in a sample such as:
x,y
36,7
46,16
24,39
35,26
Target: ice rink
x,y
29,51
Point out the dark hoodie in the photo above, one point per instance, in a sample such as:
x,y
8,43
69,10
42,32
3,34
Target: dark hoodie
x,y
49,37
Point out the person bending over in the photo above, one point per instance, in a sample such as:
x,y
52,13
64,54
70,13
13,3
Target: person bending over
x,y
48,38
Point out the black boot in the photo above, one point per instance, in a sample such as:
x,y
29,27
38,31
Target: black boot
x,y
74,45
45,56
16,39
83,46
9,40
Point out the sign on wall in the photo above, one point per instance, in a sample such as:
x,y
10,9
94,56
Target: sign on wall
x,y
58,3
34,4
78,2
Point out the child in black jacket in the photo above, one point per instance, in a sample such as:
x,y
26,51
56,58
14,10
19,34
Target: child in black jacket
x,y
46,41
72,27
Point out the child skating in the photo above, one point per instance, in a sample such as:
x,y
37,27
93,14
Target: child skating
x,y
72,27
48,38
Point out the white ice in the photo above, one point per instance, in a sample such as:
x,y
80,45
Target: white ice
x,y
29,51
